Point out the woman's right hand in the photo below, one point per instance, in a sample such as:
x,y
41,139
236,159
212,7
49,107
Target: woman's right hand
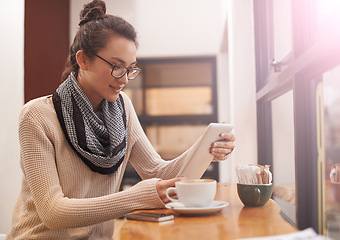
x,y
163,185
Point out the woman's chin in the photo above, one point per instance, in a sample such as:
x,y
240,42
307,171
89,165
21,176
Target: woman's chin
x,y
112,98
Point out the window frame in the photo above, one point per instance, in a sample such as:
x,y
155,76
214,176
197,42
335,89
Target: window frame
x,y
312,55
194,119
147,120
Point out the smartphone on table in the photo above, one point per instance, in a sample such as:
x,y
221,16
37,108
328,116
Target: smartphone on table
x,y
149,216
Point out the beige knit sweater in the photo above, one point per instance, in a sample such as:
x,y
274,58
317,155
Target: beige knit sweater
x,y
61,198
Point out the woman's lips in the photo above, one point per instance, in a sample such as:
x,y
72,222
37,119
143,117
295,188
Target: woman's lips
x,y
116,89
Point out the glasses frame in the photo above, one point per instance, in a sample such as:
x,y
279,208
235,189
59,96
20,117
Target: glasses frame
x,y
127,70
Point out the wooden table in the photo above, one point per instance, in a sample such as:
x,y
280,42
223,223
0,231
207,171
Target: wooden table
x,y
232,222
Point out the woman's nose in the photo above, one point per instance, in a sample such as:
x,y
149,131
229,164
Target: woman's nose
x,y
124,79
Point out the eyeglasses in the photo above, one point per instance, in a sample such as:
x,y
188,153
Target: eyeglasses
x,y
119,71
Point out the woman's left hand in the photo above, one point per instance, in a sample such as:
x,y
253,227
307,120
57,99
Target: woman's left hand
x,y
223,147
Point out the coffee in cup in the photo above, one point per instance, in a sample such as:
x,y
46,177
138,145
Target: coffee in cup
x,y
194,192
254,195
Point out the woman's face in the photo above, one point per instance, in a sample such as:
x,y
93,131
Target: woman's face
x,y
96,79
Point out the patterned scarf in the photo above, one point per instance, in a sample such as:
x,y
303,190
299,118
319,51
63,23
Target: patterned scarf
x,y
99,141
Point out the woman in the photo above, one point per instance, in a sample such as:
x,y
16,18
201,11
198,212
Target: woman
x,y
75,144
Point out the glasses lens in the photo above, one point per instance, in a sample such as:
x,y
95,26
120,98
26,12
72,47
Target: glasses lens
x,y
133,73
118,71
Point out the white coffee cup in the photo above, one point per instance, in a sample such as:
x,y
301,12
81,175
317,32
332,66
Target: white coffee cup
x,y
194,192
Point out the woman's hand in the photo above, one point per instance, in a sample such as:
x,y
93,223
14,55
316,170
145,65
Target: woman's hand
x,y
163,185
223,147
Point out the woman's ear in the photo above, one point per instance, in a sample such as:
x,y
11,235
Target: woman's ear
x,y
82,59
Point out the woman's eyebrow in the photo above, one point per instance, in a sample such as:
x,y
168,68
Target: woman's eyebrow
x,y
122,61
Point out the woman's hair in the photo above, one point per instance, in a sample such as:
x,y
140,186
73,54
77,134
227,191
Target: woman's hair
x,y
95,29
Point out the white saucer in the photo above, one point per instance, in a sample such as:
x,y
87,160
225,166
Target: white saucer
x,y
214,207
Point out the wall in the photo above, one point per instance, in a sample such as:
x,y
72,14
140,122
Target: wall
x,y
12,99
168,28
224,108
242,88
45,54
196,28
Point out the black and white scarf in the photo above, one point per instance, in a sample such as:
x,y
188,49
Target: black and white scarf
x,y
99,141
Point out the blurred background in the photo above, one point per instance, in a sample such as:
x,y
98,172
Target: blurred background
x,y
270,67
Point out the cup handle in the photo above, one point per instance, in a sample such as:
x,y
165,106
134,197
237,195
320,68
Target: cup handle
x,y
258,192
167,194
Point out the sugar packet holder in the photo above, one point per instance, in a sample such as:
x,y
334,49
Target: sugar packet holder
x,y
254,174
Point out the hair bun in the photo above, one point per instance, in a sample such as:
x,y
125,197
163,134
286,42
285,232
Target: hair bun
x,y
92,11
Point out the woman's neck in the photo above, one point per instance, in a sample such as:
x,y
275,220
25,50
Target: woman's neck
x,y
93,98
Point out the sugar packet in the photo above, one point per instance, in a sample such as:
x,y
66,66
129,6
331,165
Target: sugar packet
x,y
254,174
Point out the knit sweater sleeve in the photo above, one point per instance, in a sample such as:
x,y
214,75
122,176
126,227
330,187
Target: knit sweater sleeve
x,y
144,157
56,210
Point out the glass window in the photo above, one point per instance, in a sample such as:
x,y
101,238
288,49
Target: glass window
x,y
282,28
171,141
312,121
174,87
178,73
135,92
331,92
284,154
136,96
179,101
175,99
324,8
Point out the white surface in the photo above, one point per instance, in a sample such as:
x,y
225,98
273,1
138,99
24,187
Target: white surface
x,y
283,139
223,100
199,160
282,9
12,99
242,88
214,207
168,28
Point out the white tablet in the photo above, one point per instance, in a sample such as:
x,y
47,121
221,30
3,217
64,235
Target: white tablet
x,y
200,158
